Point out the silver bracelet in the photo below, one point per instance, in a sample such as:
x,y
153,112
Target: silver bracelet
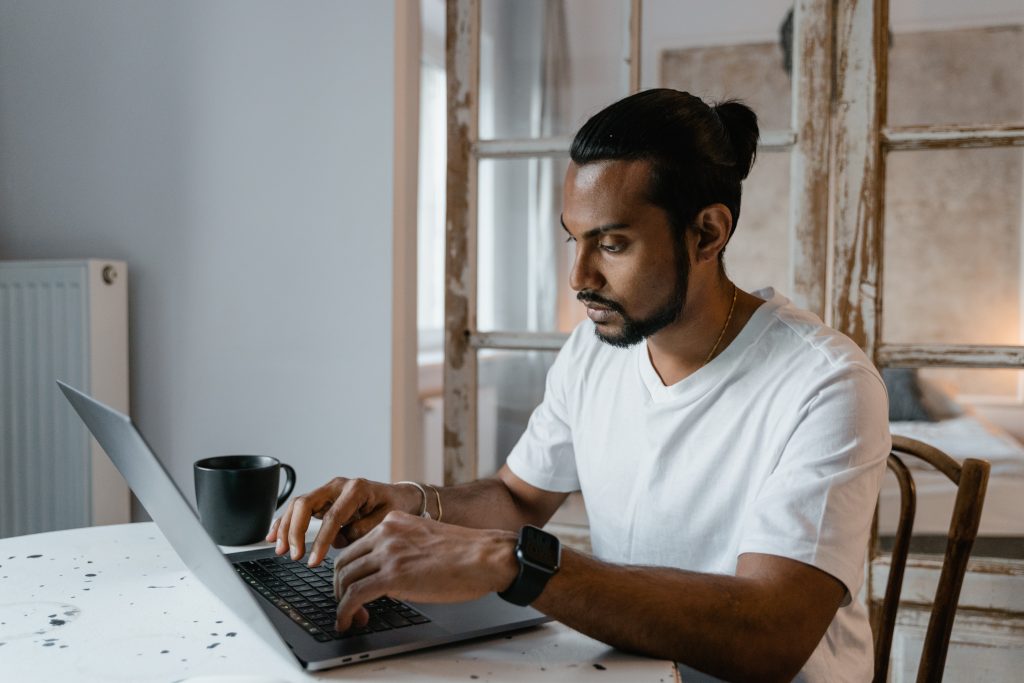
x,y
423,511
440,510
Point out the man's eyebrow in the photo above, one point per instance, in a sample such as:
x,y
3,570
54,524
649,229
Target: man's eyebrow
x,y
599,230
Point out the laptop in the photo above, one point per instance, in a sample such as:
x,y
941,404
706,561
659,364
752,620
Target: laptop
x,y
290,606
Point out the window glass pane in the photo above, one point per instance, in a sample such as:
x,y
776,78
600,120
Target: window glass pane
x,y
511,386
952,251
430,206
523,258
971,413
721,50
956,62
546,66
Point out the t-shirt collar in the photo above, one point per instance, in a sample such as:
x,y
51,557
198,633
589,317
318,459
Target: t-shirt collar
x,y
721,366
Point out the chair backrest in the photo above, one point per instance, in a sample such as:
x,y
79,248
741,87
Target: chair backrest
x,y
971,480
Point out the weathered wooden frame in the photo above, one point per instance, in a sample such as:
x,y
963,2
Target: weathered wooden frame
x,y
462,50
858,167
809,160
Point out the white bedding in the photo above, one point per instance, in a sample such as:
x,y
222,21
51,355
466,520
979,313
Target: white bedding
x,y
967,436
960,437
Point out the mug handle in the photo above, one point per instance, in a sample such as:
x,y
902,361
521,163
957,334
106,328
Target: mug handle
x,y
289,484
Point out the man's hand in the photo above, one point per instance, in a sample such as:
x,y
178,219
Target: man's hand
x,y
349,508
410,558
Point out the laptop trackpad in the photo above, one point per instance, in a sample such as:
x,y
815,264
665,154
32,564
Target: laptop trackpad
x,y
489,614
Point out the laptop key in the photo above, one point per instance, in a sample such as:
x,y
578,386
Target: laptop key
x,y
378,625
396,620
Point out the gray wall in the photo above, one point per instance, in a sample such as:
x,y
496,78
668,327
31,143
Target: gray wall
x,y
238,155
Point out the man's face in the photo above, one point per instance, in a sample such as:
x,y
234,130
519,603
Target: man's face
x,y
629,271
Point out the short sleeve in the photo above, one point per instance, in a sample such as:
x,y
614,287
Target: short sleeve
x,y
817,505
544,456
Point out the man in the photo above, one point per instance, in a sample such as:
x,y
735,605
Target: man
x,y
730,464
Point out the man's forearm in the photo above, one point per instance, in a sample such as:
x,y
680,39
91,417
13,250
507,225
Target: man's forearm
x,y
727,626
482,504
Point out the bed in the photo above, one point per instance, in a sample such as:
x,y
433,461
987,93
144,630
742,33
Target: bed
x,y
961,433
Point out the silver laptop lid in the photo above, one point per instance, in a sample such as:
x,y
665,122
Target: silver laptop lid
x,y
170,510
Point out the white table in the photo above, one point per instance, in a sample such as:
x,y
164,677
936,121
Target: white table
x,y
115,603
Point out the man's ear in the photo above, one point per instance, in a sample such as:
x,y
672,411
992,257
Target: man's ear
x,y
713,228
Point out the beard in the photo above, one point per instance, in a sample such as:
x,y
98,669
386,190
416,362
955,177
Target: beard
x,y
635,330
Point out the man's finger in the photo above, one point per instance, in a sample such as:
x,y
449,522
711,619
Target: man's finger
x,y
282,530
272,534
346,575
358,529
339,540
322,510
343,511
301,512
362,617
359,593
354,551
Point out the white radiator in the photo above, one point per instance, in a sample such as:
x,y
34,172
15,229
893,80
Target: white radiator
x,y
63,320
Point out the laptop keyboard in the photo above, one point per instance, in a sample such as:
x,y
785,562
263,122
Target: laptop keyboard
x,y
306,595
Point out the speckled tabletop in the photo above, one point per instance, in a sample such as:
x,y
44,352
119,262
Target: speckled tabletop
x,y
115,603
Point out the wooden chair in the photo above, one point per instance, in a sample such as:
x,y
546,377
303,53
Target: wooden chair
x,y
971,479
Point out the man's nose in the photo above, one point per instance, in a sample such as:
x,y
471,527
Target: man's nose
x,y
584,274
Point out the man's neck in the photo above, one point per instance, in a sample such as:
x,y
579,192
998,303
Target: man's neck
x,y
709,323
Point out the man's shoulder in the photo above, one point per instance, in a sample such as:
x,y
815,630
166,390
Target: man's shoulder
x,y
802,333
803,352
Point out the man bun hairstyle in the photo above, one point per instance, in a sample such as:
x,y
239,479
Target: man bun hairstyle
x,y
740,123
699,154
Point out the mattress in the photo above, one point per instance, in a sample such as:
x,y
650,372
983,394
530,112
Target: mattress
x,y
960,437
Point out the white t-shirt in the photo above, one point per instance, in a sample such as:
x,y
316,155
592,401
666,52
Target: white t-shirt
x,y
777,446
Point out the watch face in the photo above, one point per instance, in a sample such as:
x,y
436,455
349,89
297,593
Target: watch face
x,y
539,548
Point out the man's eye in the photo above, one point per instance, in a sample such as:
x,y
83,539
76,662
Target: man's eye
x,y
612,248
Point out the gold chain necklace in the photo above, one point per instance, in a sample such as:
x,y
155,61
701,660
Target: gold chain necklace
x,y
735,292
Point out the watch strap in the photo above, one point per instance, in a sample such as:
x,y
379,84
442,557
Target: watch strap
x,y
529,583
527,587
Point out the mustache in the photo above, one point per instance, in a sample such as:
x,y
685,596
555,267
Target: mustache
x,y
587,296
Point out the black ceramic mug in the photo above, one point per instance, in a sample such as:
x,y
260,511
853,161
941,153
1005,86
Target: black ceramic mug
x,y
238,495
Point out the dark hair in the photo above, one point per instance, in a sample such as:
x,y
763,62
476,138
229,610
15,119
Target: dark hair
x,y
699,154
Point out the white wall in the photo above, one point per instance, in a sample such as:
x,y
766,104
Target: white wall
x,y
238,155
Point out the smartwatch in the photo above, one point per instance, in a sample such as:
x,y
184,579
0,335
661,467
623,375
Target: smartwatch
x,y
539,554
